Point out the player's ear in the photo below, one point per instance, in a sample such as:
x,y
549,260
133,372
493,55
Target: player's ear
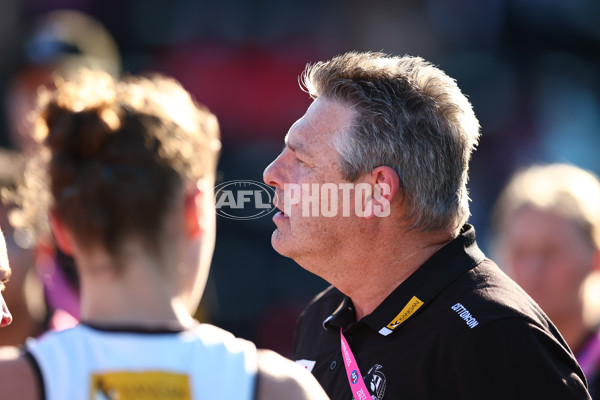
x,y
194,210
62,235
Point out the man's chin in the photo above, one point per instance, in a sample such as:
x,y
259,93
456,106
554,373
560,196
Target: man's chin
x,y
279,243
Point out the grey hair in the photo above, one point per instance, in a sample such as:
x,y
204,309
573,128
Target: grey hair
x,y
411,116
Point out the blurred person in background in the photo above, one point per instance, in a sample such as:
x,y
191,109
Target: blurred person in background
x,y
54,42
126,174
415,309
547,223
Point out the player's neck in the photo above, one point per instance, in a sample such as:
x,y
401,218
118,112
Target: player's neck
x,y
135,292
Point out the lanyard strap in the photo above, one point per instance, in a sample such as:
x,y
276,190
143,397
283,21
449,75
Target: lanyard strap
x,y
355,379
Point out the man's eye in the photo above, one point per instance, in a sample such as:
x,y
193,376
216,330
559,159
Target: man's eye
x,y
303,162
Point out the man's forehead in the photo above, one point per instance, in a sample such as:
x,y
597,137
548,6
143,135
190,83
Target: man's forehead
x,y
324,117
332,115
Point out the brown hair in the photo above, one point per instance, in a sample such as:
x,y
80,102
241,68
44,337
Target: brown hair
x,y
115,153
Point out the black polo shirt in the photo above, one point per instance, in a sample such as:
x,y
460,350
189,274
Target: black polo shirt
x,y
457,328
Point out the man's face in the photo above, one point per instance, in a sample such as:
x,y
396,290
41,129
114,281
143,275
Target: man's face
x,y
5,317
309,158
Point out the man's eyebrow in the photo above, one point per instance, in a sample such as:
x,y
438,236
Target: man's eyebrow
x,y
295,147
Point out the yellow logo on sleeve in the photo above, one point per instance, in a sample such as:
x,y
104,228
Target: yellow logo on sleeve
x,y
408,310
147,385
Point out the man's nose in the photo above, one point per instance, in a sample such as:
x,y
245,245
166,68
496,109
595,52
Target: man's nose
x,y
6,318
271,174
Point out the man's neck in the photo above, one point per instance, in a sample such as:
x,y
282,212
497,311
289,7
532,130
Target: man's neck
x,y
378,275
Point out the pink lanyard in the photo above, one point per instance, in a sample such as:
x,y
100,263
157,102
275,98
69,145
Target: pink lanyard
x,y
355,379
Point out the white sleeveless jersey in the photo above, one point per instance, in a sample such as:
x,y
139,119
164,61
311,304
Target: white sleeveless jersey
x,y
205,362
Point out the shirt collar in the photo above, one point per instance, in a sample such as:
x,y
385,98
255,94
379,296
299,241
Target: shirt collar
x,y
444,267
342,316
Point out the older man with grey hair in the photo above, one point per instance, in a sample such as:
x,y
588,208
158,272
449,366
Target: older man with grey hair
x,y
372,192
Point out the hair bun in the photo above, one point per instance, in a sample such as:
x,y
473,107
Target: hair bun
x,y
80,134
78,116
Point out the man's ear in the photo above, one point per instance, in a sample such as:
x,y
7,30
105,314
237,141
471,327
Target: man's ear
x,y
386,187
62,236
194,212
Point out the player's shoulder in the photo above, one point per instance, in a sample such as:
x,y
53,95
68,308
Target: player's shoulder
x,y
59,338
281,378
215,339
